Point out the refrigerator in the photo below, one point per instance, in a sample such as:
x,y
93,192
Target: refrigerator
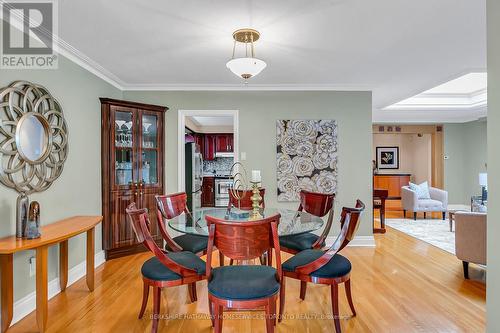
x,y
194,175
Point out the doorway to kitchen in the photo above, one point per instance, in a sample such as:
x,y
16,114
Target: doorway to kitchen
x,y
207,148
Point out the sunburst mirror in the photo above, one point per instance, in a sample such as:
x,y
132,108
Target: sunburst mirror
x,y
33,137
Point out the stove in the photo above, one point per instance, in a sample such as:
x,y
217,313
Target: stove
x,y
222,187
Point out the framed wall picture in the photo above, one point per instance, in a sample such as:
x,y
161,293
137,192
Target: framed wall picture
x,y
306,157
387,157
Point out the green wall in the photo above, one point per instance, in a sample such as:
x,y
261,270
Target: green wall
x,y
78,190
465,145
493,279
258,112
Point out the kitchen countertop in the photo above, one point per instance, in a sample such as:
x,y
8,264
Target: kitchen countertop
x,y
216,176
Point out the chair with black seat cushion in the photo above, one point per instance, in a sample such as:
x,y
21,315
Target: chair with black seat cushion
x,y
241,199
327,267
243,287
165,269
317,204
170,206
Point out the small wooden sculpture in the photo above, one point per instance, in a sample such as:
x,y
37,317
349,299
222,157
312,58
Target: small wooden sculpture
x,y
33,225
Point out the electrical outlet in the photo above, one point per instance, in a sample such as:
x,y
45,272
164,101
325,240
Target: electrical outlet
x,y
32,262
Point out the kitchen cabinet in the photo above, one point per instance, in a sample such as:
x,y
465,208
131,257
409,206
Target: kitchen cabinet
x,y
132,158
208,192
224,143
209,148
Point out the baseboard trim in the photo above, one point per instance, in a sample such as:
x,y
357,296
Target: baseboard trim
x,y
358,241
27,304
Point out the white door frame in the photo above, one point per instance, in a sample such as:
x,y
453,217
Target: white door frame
x,y
181,138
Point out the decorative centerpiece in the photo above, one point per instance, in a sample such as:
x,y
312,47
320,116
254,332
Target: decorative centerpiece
x,y
240,189
256,198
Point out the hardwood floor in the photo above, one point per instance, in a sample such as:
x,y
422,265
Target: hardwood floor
x,y
402,285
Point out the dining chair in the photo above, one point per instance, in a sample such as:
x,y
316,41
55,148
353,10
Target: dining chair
x,y
243,287
317,204
327,267
171,206
243,200
165,269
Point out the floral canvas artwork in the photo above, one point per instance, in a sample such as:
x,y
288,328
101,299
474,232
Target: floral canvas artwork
x,y
306,157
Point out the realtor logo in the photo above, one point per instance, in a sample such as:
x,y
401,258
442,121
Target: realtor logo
x,y
28,30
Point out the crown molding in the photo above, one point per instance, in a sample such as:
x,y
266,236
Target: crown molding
x,y
63,48
82,60
244,87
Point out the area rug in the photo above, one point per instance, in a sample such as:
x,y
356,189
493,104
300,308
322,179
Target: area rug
x,y
435,232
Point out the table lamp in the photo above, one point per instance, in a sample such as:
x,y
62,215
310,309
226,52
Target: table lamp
x,y
483,182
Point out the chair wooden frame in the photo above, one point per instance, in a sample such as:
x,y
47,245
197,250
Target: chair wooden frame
x,y
318,204
349,224
244,203
235,242
177,202
141,225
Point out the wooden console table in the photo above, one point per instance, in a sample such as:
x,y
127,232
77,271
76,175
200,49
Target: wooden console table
x,y
55,233
393,183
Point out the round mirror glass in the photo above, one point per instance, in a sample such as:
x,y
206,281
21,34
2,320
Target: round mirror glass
x,y
32,137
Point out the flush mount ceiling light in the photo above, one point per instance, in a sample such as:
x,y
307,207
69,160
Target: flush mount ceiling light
x,y
247,66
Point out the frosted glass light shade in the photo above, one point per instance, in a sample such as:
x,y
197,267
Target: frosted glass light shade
x,y
246,67
483,179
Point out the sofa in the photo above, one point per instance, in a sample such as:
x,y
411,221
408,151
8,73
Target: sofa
x,y
470,239
438,202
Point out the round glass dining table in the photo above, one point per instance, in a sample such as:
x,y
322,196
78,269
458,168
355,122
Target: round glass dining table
x,y
291,221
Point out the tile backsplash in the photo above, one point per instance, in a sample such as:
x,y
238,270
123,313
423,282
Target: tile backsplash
x,y
219,164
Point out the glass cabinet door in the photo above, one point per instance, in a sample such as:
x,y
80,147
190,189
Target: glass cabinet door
x,y
123,147
149,173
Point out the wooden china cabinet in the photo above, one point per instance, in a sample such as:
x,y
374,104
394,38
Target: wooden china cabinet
x,y
132,170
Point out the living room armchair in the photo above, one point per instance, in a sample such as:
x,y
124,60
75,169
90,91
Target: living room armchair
x,y
470,239
438,201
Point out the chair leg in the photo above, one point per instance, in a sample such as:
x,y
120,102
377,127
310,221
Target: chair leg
x,y
335,306
218,313
425,215
156,308
269,320
347,286
221,315
273,311
466,269
415,216
282,300
231,262
303,289
444,216
211,309
192,292
145,296
221,259
404,213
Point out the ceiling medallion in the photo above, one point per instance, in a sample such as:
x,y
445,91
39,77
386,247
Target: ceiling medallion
x,y
247,66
